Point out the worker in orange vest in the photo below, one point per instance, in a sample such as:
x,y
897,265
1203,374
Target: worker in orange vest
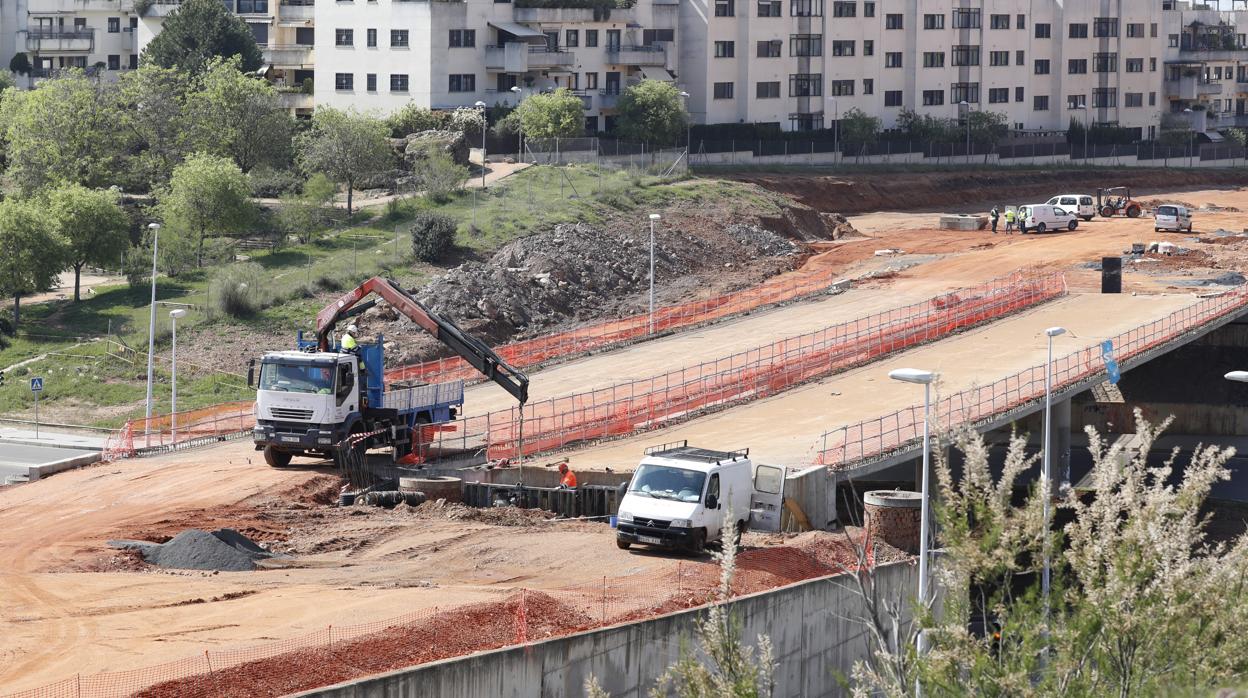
x,y
568,481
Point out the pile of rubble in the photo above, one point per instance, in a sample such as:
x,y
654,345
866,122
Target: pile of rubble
x,y
224,550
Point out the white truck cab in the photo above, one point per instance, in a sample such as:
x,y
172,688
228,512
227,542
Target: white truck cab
x,y
681,497
306,400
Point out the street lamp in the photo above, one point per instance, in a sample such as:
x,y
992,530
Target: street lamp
x,y
1191,135
654,217
914,375
688,124
1084,107
151,332
1047,468
520,131
967,107
1237,376
836,126
174,316
481,105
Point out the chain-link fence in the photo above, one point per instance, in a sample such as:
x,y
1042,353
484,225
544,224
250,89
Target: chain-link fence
x,y
607,154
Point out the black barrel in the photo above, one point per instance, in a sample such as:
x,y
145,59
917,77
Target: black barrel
x,y
1111,275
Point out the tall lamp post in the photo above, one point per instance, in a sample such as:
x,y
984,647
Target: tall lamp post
x,y
1047,466
481,105
966,106
519,133
836,126
914,375
654,218
151,332
174,316
688,125
1191,135
1084,107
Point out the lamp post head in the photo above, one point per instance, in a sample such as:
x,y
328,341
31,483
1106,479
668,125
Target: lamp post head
x,y
1237,376
153,226
912,375
1187,110
1055,331
655,216
479,104
685,94
515,88
964,103
178,313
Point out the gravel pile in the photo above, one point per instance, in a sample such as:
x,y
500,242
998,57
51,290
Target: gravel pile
x,y
760,240
225,550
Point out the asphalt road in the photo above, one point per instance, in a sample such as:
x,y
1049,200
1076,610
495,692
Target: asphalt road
x,y
15,459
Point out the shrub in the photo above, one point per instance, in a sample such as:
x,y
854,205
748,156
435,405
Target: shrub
x,y
238,290
267,182
433,235
413,119
328,283
137,265
439,177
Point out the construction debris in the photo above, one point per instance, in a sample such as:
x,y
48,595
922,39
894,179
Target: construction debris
x,y
224,550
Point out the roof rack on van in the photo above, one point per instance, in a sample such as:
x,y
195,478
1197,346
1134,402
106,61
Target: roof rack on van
x,y
682,449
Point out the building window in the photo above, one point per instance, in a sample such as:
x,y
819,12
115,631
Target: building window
x,y
933,59
305,36
998,58
805,85
1075,101
769,8
1040,103
1133,99
1152,30
933,21
650,37
465,82
134,61
769,49
1173,41
805,44
1021,21
1077,66
842,88
1152,65
1078,31
868,47
868,9
398,38
999,21
933,98
998,95
398,83
964,92
841,8
114,25
723,90
843,48
725,49
463,38
248,7
1043,31
591,124
806,122
868,86
893,22
892,98
1104,62
1020,58
966,55
807,8
344,81
1042,66
114,62
1018,94
1135,31
372,38
1152,99
572,38
892,59
1135,65
344,37
966,18
767,90
1104,97
1105,26
725,8
591,38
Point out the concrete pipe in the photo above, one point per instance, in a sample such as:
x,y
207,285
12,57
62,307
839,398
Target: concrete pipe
x,y
435,487
893,516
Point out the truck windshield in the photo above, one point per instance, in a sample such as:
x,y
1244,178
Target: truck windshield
x,y
297,377
666,482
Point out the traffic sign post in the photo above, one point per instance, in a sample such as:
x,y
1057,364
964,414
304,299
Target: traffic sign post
x,y
1111,364
36,387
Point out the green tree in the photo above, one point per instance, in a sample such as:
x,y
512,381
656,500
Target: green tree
x,y
305,215
154,115
988,127
63,131
439,176
91,224
345,146
651,112
198,31
33,257
19,64
859,128
239,115
414,119
207,196
558,114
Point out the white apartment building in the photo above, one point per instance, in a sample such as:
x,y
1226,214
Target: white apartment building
x,y
96,35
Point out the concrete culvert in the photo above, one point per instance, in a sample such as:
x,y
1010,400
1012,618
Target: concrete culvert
x,y
893,516
435,487
392,498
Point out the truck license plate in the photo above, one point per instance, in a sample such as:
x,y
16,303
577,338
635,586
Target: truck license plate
x,y
649,541
291,439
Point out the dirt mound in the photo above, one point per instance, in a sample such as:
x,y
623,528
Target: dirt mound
x,y
497,516
225,550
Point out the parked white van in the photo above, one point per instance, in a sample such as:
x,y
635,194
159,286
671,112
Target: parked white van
x,y
1081,205
1044,217
1172,217
680,495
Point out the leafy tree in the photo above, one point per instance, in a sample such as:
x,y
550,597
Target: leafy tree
x,y
414,119
92,225
198,31
859,128
988,127
7,80
558,114
438,176
19,64
926,128
651,112
346,146
304,215
154,115
208,196
33,255
63,131
240,116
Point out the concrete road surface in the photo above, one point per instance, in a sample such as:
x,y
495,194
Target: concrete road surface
x,y
17,459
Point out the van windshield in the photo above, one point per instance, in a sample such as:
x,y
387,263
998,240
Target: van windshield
x,y
666,482
1167,211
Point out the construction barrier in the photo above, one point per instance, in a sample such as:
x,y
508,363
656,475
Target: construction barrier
x,y
168,432
655,402
341,652
880,436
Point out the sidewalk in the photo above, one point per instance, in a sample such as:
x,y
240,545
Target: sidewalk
x,y
52,439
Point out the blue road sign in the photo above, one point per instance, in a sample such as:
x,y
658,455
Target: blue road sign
x,y
36,384
1111,364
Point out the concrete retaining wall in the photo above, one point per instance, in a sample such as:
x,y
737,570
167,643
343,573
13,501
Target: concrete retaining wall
x,y
813,643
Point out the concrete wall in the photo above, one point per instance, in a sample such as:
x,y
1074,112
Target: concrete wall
x,y
813,644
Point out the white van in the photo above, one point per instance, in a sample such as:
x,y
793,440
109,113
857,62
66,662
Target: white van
x,y
1172,217
1043,218
1081,205
680,495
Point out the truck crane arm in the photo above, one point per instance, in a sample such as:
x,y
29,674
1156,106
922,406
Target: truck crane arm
x,y
473,350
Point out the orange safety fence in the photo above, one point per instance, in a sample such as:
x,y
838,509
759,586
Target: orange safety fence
x,y
655,402
343,652
840,448
191,427
561,345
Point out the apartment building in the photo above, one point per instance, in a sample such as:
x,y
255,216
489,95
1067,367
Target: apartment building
x,y
96,35
384,54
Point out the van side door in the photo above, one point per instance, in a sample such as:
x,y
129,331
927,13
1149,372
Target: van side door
x,y
767,498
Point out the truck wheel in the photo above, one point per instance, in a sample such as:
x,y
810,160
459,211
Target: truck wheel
x,y
276,458
1133,212
622,544
1107,212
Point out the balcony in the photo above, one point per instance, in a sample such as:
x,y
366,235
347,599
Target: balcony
x,y
60,41
554,15
587,98
1189,87
518,57
608,99
296,99
160,8
637,55
542,57
296,10
288,55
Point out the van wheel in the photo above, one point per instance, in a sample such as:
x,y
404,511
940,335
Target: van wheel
x,y
1072,225
1189,227
1156,229
276,458
736,535
1087,218
698,544
1041,228
622,544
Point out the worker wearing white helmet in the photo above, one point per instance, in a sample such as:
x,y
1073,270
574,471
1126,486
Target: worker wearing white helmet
x,y
348,340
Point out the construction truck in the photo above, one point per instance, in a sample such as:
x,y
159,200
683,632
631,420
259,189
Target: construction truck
x,y
313,398
1115,201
